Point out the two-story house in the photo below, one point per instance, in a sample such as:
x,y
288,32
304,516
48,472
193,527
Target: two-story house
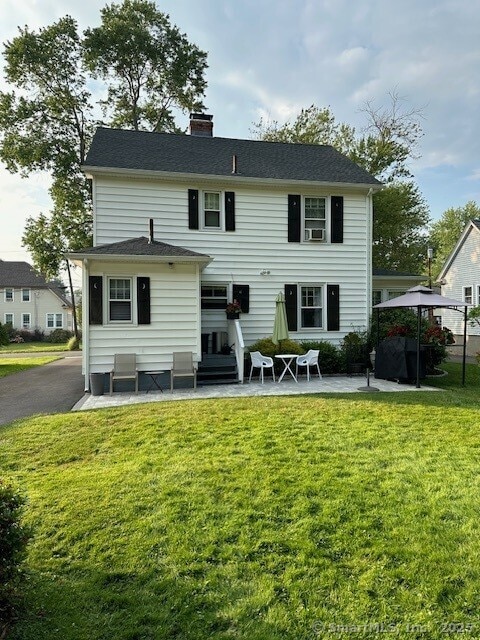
x,y
185,223
28,301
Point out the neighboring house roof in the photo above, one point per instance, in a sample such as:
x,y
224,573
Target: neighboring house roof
x,y
23,275
187,154
142,247
473,225
389,273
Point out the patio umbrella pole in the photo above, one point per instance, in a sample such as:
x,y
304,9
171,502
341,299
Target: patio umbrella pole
x,y
419,330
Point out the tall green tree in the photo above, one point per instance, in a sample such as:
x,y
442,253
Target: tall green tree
x,y
47,119
384,148
445,232
149,66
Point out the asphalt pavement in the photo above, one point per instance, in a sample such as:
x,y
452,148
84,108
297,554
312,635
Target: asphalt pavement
x,y
51,388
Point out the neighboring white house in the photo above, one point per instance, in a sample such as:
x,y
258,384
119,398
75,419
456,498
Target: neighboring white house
x,y
460,280
185,223
28,301
388,284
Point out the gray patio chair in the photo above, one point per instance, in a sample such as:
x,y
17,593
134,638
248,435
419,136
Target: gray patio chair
x,y
309,359
183,367
261,362
124,368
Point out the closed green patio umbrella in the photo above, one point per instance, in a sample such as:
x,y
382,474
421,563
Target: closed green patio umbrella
x,y
280,326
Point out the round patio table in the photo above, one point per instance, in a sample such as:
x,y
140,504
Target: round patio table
x,y
287,359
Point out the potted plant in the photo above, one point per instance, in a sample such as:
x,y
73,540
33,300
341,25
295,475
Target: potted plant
x,y
233,310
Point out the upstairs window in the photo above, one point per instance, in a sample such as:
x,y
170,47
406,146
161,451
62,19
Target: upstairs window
x,y
120,300
25,295
9,295
315,219
212,212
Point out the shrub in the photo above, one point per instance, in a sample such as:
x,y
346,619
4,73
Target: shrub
x,y
4,337
267,347
13,540
73,344
329,357
354,350
11,332
58,336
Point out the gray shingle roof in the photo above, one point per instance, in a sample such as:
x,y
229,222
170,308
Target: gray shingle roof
x,y
23,275
140,247
141,150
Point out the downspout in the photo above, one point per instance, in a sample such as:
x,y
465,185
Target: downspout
x,y
370,252
86,325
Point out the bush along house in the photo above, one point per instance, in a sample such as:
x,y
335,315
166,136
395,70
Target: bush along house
x,y
186,224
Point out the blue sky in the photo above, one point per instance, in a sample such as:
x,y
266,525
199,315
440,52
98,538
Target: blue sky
x,y
271,58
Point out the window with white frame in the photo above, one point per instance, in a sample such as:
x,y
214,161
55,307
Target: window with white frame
x,y
8,294
212,210
468,295
54,320
376,296
478,295
9,318
26,321
214,296
25,295
315,218
120,300
311,306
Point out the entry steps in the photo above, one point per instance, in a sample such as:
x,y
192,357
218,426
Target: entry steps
x,y
217,369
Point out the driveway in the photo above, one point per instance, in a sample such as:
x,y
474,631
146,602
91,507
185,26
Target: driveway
x,y
51,388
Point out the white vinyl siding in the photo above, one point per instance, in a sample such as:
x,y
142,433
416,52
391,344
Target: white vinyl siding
x,y
42,302
258,245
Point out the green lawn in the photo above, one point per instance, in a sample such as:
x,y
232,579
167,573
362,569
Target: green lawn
x,y
287,518
14,365
31,347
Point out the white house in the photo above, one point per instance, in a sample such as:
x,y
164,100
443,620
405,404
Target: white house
x,y
460,279
185,223
28,301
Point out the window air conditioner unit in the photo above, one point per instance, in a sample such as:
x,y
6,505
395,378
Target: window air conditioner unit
x,y
315,235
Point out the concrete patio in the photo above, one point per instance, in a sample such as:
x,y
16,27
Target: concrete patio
x,y
328,384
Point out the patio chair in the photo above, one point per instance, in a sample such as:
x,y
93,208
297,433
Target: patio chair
x,y
183,367
124,368
261,362
309,359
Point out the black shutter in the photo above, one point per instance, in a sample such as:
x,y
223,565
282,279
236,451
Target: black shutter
x,y
229,211
143,300
291,306
333,307
193,208
294,220
241,292
337,219
95,295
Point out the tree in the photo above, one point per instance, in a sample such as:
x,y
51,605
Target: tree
x,y
150,67
47,121
400,215
384,148
445,232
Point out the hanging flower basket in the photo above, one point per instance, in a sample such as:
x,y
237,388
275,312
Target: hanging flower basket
x,y
233,310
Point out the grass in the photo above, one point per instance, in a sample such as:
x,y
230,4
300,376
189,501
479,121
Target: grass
x,y
15,365
253,518
31,347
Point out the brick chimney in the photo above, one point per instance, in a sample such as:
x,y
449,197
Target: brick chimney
x,y
201,124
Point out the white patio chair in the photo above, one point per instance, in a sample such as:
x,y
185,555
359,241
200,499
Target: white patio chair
x,y
124,368
183,367
261,362
309,359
